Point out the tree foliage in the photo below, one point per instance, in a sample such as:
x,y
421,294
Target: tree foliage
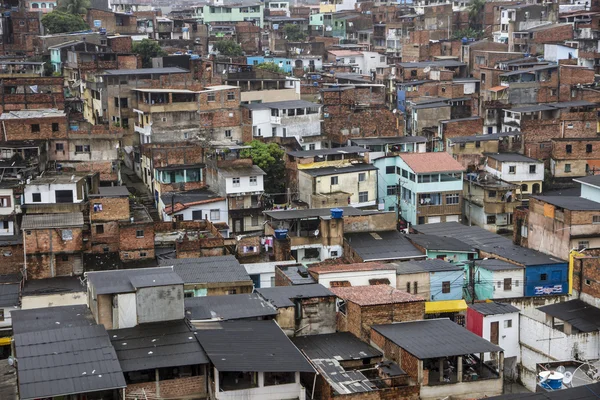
x,y
294,33
271,67
60,22
476,14
467,33
269,157
228,48
74,7
147,49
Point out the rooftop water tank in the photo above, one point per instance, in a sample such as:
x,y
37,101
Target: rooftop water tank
x,y
337,213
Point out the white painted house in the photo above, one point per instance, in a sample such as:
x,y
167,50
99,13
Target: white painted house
x,y
498,323
53,189
8,208
293,118
360,274
194,205
518,169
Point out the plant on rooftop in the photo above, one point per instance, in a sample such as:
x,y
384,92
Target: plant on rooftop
x,y
147,49
61,22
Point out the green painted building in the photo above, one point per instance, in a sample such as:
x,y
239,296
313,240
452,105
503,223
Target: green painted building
x,y
244,11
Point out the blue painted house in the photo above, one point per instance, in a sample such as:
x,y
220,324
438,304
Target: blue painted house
x,y
544,275
434,280
285,64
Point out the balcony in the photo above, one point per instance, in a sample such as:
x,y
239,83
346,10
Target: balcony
x,y
144,129
442,209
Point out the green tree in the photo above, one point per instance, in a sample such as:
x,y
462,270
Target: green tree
x,y
294,33
270,66
60,22
228,48
269,157
147,49
75,7
467,33
476,14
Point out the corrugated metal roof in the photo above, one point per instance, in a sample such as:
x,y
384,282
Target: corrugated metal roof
x,y
282,215
42,221
227,307
382,246
339,170
489,242
208,269
44,319
281,296
434,265
582,316
9,294
157,345
66,361
433,243
435,338
144,71
327,152
493,308
341,346
120,281
251,346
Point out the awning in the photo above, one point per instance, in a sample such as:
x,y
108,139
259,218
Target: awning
x,y
5,341
498,88
445,306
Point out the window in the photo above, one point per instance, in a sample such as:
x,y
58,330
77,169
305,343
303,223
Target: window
x,y
524,188
55,127
35,128
143,254
230,96
60,146
334,180
1,314
36,197
363,197
532,169
446,287
236,182
596,219
390,169
492,193
552,92
254,220
512,169
452,198
507,284
391,190
227,133
253,181
274,131
491,219
508,323
139,233
569,149
188,294
232,291
407,287
543,277
362,177
567,167
99,229
415,287
211,97
588,282
583,244
82,148
312,146
588,148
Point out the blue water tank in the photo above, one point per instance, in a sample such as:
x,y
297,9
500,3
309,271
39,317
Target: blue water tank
x,y
281,234
337,213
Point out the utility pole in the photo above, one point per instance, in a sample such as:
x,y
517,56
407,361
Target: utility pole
x,y
472,275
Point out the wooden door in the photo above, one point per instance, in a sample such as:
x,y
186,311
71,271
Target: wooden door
x,y
494,332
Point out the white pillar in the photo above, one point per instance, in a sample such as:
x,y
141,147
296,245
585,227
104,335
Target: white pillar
x,y
261,379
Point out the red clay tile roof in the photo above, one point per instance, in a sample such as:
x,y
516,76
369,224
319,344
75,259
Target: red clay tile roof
x,y
431,162
369,266
374,295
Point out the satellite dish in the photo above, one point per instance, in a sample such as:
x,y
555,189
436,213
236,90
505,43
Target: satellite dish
x,y
568,377
426,70
11,361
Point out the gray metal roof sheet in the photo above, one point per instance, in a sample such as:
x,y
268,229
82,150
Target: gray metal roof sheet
x,y
241,171
489,242
421,266
41,221
496,265
384,245
340,346
227,307
245,346
514,157
343,381
65,361
282,215
585,392
157,279
534,108
9,294
339,170
208,269
144,71
111,191
389,140
435,338
157,345
484,138
281,296
493,308
575,203
439,243
423,64
582,316
120,281
293,274
45,319
592,180
282,105
326,152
